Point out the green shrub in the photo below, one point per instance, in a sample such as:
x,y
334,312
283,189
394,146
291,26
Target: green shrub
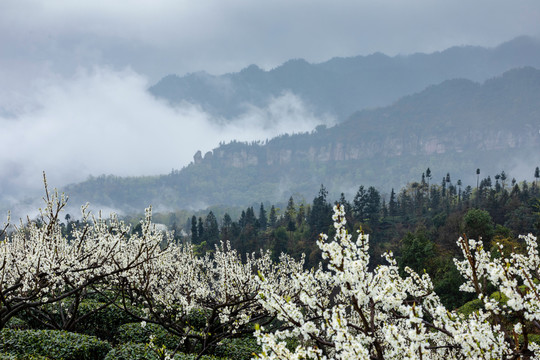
x,y
196,319
135,333
533,338
54,344
17,323
132,351
500,297
470,307
238,349
135,351
102,323
7,356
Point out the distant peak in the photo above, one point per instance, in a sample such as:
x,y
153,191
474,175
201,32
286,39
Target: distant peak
x,y
522,40
251,69
295,62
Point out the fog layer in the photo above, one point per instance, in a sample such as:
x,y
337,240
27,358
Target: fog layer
x,y
102,121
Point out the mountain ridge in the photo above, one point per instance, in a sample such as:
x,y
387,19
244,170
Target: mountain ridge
x,y
456,126
341,86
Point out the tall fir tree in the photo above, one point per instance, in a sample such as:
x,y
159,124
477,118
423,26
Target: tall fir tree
x,y
194,230
263,219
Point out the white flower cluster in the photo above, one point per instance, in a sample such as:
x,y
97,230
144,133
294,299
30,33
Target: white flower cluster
x,y
221,285
39,265
352,312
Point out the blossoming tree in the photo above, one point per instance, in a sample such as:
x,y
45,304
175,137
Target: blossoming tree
x,y
342,310
219,285
39,266
349,311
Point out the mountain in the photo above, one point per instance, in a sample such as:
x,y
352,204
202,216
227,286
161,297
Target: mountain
x,y
456,126
341,86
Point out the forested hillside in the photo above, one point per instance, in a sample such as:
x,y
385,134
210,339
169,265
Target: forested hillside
x,y
341,86
97,288
420,223
456,126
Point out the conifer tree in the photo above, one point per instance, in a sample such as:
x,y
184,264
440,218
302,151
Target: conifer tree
x,y
226,227
263,220
321,212
200,229
392,205
211,230
272,219
359,204
194,230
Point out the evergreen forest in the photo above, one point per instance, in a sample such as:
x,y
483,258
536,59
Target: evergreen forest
x,y
420,223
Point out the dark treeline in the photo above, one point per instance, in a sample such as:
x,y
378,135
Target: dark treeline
x,y
420,223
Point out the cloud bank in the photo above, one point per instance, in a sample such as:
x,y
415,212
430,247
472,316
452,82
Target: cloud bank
x,y
179,36
102,121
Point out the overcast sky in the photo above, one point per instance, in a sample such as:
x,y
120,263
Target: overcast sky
x,y
159,37
74,74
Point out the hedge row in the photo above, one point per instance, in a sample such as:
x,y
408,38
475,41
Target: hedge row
x,y
136,351
101,323
53,344
7,356
238,349
133,338
135,333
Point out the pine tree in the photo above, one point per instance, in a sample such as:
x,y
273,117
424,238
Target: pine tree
x,y
263,220
200,229
290,212
373,205
503,179
321,213
428,175
211,230
194,230
226,227
392,205
301,215
272,217
359,204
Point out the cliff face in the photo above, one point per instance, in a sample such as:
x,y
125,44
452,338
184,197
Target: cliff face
x,y
457,116
344,150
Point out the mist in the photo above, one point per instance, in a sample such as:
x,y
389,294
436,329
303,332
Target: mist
x,y
103,121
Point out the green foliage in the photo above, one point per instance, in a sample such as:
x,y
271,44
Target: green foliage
x,y
197,319
533,338
92,318
500,297
17,324
417,252
471,307
137,351
135,333
477,224
54,344
238,349
132,351
447,281
103,323
8,356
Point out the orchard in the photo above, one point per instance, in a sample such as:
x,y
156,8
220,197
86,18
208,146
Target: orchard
x,y
345,308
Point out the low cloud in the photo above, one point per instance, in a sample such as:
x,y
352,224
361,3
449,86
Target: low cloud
x,y
102,121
